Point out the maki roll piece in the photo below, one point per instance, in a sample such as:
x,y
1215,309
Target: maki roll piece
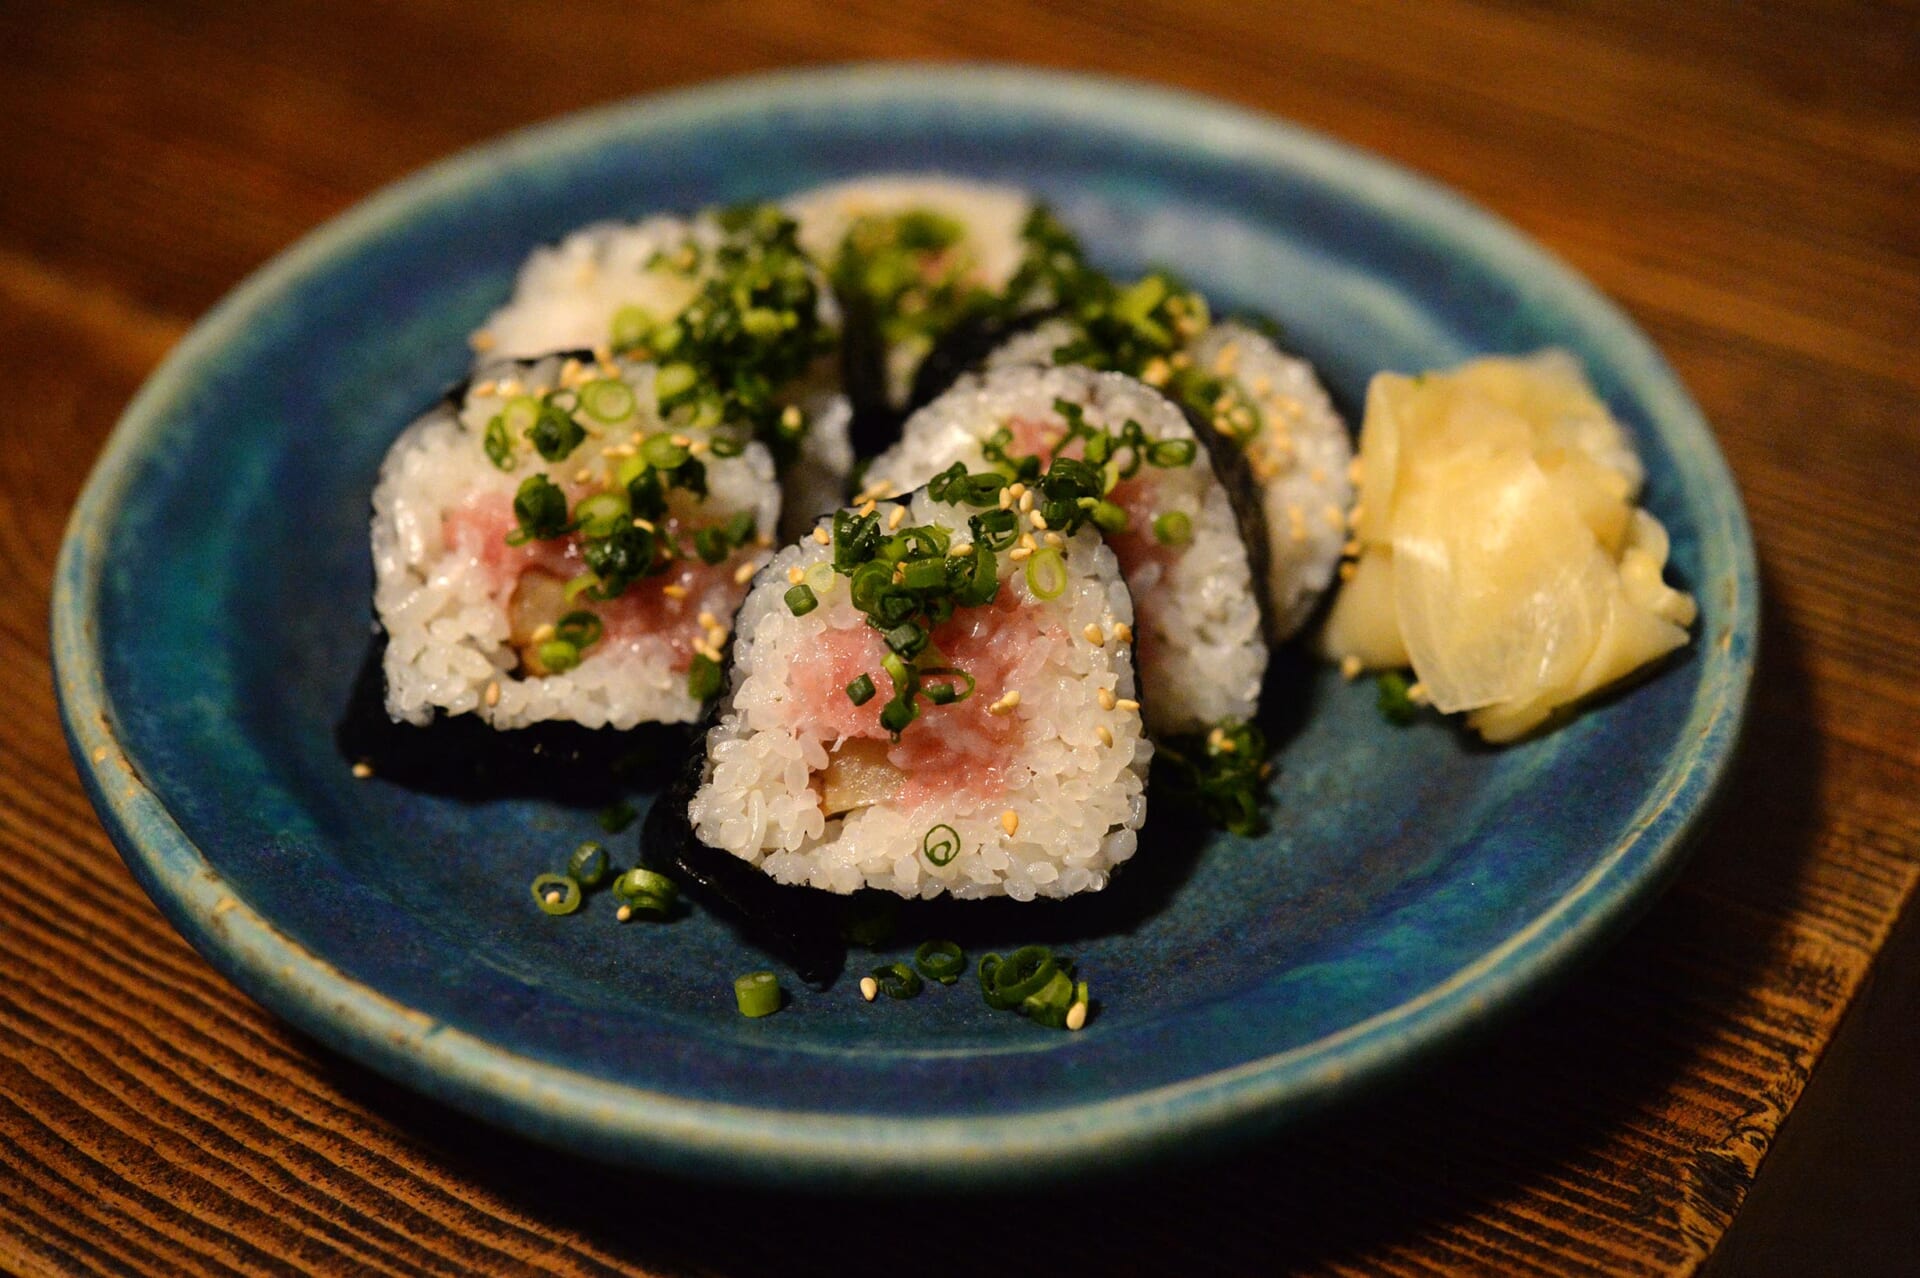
x,y
921,263
1154,495
1262,412
548,547
915,705
738,321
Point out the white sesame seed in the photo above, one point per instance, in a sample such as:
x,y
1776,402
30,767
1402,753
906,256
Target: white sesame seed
x,y
1106,698
1095,636
1348,569
624,913
1010,821
493,693
1016,490
1055,540
1417,693
869,988
1026,503
481,340
1126,703
1123,632
1019,553
1105,734
898,517
1039,520
1351,666
543,632
1006,499
822,536
645,525
680,441
707,620
1077,1016
796,575
363,770
743,574
868,507
674,590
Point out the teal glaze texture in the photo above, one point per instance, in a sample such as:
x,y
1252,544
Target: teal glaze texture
x,y
211,606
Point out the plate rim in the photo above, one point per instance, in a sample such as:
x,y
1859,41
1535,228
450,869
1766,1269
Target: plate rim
x,y
629,1123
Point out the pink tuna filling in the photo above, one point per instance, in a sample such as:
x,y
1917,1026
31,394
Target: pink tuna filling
x,y
644,611
958,751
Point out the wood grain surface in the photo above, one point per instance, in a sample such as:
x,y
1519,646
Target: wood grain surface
x,y
1742,180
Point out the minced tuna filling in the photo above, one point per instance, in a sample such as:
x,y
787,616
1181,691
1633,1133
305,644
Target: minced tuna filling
x,y
962,751
528,582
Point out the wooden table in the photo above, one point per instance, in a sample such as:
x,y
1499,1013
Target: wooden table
x,y
1743,183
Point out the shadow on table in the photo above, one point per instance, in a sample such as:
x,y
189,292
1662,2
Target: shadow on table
x,y
1553,1139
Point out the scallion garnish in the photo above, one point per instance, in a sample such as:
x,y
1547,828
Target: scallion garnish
x,y
644,892
541,509
1023,972
800,601
589,864
607,400
1396,707
557,656
861,690
1048,1005
1046,573
941,961
897,980
1224,774
556,893
757,993
661,453
554,433
498,443
618,817
1175,528
602,514
580,628
703,677
941,844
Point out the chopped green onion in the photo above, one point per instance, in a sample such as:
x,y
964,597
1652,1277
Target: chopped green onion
x,y
800,601
941,845
674,380
820,577
1049,1004
1172,452
499,444
582,629
907,638
989,967
1047,573
644,892
1396,707
898,980
520,414
1109,517
558,656
950,691
861,690
757,993
711,545
630,326
896,715
703,678
576,585
662,453
541,509
1174,528
602,514
941,961
1026,971
607,400
589,864
556,893
739,529
555,434
618,817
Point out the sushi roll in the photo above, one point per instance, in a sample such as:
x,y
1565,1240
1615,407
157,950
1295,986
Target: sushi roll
x,y
914,706
1165,513
547,547
1262,412
737,318
917,261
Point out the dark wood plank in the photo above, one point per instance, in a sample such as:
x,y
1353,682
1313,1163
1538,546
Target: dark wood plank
x,y
1741,183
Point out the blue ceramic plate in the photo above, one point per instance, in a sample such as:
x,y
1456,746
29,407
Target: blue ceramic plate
x,y
211,609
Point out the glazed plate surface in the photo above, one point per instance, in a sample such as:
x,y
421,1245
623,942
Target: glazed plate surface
x,y
211,611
